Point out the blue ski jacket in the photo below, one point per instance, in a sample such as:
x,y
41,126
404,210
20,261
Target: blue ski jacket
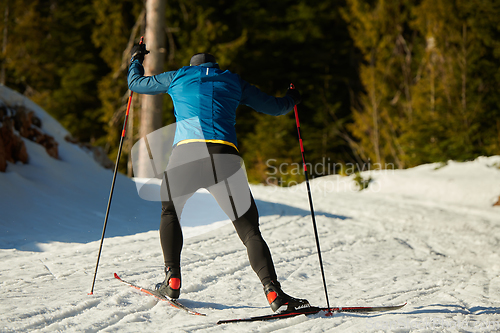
x,y
208,94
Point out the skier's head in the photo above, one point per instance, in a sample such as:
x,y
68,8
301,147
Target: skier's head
x,y
201,58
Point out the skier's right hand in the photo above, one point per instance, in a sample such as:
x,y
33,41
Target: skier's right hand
x,y
294,93
138,52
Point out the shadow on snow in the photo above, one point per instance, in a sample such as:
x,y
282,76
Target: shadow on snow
x,y
125,221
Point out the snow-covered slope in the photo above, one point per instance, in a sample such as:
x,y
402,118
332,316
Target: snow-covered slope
x,y
427,236
65,200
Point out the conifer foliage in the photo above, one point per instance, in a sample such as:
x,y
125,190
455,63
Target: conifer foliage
x,y
429,72
402,82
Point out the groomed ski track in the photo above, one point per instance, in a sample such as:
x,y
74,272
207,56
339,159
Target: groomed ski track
x,y
378,250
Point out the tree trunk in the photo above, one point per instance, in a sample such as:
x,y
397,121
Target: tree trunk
x,y
151,115
4,43
373,100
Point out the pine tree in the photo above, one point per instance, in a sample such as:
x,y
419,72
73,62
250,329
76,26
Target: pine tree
x,y
450,87
49,58
116,29
428,77
380,33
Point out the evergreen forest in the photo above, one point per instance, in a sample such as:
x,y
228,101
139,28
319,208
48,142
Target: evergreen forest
x,y
391,83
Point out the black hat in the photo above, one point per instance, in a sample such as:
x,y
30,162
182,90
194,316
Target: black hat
x,y
201,58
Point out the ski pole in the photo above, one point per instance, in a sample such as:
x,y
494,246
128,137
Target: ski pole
x,y
310,200
113,182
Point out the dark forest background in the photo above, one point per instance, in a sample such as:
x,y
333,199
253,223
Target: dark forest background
x,y
392,82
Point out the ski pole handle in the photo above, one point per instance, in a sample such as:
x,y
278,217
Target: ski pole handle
x,y
298,132
296,116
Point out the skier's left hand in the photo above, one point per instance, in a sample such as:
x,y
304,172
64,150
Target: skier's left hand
x,y
138,52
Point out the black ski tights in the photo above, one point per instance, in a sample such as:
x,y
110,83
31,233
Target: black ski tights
x,y
246,225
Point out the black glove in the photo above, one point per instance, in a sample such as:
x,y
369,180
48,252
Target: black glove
x,y
294,93
138,52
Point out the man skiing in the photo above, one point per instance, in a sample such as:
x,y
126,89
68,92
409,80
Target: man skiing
x,y
205,155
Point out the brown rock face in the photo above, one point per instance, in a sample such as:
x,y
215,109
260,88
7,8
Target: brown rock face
x,y
27,125
13,146
3,159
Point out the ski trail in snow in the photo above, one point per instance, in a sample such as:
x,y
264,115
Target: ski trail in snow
x,y
51,319
441,259
137,314
48,269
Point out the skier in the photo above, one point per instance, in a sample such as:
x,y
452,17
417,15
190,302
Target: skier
x,y
204,91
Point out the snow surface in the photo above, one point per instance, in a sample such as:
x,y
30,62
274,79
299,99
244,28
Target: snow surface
x,y
428,236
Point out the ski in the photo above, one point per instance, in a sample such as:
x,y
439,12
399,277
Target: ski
x,y
314,310
173,302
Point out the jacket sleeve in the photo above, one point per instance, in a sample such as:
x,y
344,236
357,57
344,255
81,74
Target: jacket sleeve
x,y
150,85
252,96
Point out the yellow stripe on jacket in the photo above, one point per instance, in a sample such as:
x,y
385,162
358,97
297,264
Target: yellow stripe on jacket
x,y
210,141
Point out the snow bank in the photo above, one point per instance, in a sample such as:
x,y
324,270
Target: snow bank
x,y
474,183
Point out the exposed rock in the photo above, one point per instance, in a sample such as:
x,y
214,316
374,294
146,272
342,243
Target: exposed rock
x,y
17,122
3,160
13,146
28,126
497,203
